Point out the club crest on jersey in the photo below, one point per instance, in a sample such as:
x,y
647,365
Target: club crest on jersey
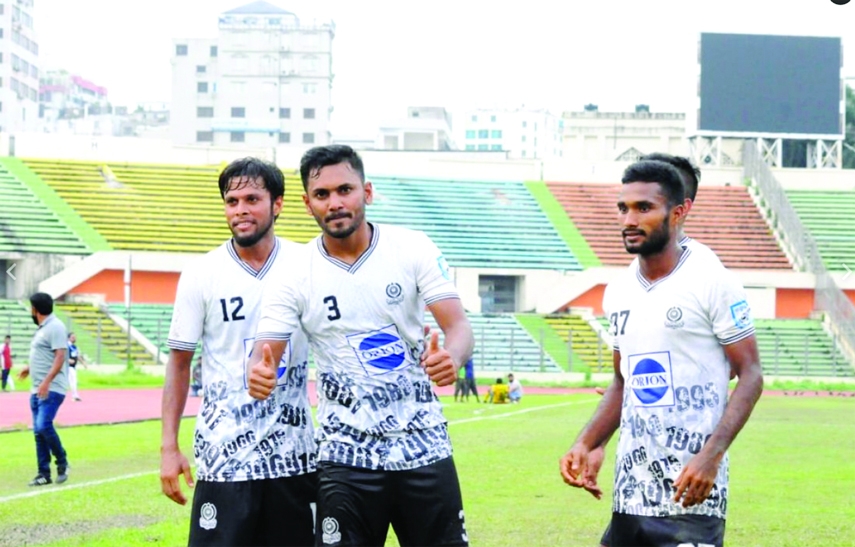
x,y
741,314
329,527
380,351
281,377
394,294
208,516
674,318
651,379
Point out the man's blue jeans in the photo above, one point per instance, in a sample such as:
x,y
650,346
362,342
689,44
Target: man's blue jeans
x,y
47,440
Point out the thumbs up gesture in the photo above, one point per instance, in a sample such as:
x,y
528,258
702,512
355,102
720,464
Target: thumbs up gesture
x,y
262,374
438,364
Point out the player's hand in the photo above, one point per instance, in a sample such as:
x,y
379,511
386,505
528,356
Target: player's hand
x,y
574,466
172,464
262,375
438,364
24,373
600,390
595,462
44,390
696,480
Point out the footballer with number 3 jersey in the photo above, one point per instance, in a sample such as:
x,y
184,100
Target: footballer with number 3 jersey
x,y
359,292
680,323
255,460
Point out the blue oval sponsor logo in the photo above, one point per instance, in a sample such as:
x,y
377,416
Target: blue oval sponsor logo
x,y
383,351
649,381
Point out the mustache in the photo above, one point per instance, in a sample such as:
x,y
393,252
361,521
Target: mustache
x,y
633,233
337,216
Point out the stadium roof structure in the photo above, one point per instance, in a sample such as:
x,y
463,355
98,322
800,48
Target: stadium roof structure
x,y
259,8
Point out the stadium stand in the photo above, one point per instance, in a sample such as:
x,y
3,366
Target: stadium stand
x,y
587,346
724,218
15,321
795,347
828,217
99,326
28,224
475,224
151,320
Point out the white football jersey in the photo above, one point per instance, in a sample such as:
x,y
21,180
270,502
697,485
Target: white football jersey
x,y
365,326
670,335
238,437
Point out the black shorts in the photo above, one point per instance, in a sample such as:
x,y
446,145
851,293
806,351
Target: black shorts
x,y
676,531
356,506
255,513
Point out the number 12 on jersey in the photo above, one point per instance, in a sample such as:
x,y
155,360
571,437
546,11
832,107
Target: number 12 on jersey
x,y
237,304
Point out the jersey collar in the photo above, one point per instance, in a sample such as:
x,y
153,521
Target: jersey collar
x,y
647,285
351,268
249,269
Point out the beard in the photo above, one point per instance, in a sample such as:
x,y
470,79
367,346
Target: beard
x,y
654,243
342,233
35,319
252,239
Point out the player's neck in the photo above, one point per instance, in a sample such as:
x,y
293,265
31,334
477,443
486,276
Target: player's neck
x,y
350,248
256,255
656,266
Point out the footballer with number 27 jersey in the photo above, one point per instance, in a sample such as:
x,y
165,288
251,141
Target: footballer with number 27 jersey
x,y
365,321
670,335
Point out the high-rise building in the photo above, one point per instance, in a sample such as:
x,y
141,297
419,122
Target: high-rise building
x,y
264,81
19,73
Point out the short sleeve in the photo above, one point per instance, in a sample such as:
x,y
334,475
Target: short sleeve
x,y
281,307
607,310
730,313
58,336
188,314
432,276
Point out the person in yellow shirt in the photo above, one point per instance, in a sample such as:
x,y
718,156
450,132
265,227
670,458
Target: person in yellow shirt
x,y
498,393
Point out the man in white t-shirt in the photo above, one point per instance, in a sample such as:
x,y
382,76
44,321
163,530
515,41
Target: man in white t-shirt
x,y
255,460
359,293
680,323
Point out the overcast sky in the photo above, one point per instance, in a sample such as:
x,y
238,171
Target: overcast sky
x,y
389,54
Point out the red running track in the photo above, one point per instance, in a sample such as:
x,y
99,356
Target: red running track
x,y
105,406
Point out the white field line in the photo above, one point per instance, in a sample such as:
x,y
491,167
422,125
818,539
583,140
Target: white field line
x,y
49,490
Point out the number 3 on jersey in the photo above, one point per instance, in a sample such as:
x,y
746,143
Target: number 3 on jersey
x,y
618,322
332,306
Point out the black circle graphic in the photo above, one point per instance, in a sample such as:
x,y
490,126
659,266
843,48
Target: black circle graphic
x,y
839,2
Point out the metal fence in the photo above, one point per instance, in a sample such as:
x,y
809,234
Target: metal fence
x,y
803,248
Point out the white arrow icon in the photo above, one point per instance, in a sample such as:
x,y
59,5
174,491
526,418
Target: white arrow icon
x,y
9,272
848,272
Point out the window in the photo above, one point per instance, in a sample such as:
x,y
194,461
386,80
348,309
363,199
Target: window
x,y
204,136
482,147
1,32
284,138
525,124
496,147
309,113
496,134
470,133
308,138
201,69
201,87
238,112
34,72
493,119
213,51
310,89
204,111
284,113
238,136
523,153
470,147
474,118
523,138
181,50
483,133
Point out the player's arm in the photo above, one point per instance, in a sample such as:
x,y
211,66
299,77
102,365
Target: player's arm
x,y
580,465
442,364
698,476
172,462
56,366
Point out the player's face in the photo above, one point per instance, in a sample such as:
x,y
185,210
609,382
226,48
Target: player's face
x,y
337,197
646,219
249,210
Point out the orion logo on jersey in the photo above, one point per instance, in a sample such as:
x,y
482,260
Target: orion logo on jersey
x,y
380,351
281,377
651,379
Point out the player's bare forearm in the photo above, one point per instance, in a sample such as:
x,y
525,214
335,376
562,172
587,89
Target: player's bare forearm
x,y
451,318
606,419
56,366
175,387
748,389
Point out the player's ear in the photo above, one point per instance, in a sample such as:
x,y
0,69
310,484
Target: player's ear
x,y
368,188
277,206
306,203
